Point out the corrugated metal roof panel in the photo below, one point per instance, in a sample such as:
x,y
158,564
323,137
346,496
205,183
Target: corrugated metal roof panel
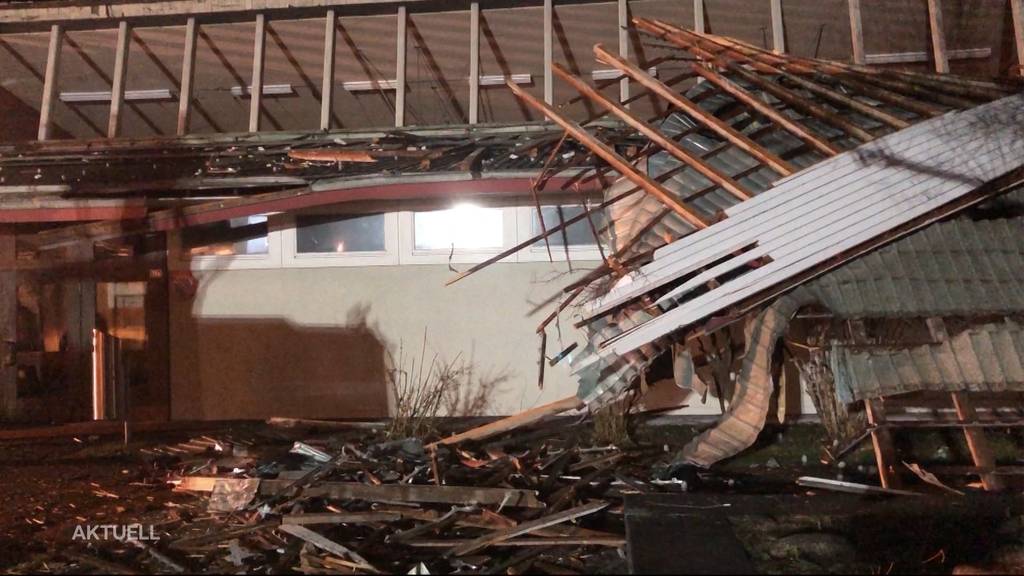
x,y
952,268
989,358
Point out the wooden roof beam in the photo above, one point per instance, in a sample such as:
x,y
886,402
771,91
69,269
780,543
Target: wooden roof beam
x,y
782,93
875,85
760,106
671,146
809,85
723,129
619,163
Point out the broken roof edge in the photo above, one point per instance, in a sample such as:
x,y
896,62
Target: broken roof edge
x,y
404,187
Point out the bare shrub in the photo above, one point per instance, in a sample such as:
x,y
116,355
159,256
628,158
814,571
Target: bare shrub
x,y
423,391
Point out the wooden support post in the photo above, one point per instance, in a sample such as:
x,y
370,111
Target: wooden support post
x,y
188,74
617,162
856,32
723,129
549,40
400,41
977,443
624,47
50,82
8,326
256,87
778,28
474,62
327,87
80,319
698,16
938,36
881,440
1017,13
669,145
124,35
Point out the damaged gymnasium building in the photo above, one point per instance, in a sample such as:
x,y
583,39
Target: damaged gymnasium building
x,y
502,287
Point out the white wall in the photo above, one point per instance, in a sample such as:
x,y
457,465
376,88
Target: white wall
x,y
489,318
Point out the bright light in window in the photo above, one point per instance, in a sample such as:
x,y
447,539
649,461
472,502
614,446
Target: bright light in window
x,y
465,226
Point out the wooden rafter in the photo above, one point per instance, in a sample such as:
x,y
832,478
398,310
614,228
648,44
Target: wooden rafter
x,y
124,33
611,157
188,68
667,144
741,141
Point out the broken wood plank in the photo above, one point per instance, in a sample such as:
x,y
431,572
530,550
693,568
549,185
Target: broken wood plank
x,y
977,443
332,155
850,487
527,527
510,498
938,36
341,518
325,424
512,422
881,440
612,542
326,544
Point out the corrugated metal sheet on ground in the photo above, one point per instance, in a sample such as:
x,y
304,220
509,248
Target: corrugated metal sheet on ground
x,y
987,358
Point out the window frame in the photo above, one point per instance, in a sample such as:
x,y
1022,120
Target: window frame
x,y
292,258
581,253
178,258
410,255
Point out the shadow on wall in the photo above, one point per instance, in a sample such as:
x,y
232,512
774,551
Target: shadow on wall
x,y
267,367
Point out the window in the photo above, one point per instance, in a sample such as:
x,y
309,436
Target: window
x,y
464,227
247,242
578,234
339,234
235,237
340,240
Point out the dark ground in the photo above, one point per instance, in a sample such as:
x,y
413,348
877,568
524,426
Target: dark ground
x,y
47,488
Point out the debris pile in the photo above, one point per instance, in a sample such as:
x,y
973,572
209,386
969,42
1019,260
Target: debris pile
x,y
538,499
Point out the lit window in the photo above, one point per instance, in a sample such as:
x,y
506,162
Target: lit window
x,y
234,237
578,234
466,227
332,234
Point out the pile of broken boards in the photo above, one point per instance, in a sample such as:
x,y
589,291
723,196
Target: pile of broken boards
x,y
358,503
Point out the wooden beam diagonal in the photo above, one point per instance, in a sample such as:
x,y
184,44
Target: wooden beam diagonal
x,y
811,86
671,146
619,163
124,33
752,101
696,45
741,141
188,68
876,86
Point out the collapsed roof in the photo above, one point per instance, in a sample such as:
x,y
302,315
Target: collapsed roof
x,y
772,171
